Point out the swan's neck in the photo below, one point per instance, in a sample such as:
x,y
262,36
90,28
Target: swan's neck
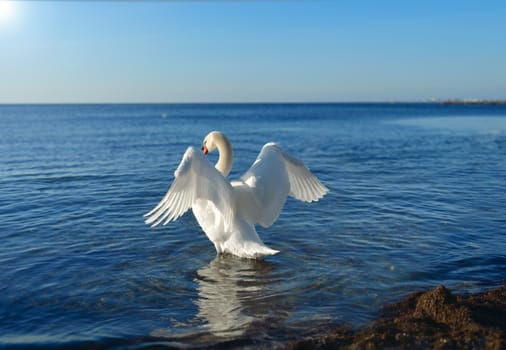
x,y
226,156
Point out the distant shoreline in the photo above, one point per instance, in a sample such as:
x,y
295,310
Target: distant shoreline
x,y
472,102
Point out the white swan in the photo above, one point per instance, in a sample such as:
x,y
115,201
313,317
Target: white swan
x,y
227,210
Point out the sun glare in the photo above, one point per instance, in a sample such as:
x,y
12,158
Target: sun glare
x,y
7,9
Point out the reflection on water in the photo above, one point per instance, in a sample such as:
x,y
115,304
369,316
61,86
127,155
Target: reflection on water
x,y
230,294
238,300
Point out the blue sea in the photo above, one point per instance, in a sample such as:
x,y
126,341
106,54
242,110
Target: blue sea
x,y
417,199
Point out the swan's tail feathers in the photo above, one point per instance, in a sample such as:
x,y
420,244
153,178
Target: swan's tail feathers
x,y
246,243
248,249
268,251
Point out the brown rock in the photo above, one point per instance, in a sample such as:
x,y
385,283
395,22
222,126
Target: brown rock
x,y
436,319
440,306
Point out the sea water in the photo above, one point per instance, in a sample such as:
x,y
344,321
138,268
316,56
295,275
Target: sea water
x,y
417,198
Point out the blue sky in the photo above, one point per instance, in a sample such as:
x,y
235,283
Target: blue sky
x,y
252,51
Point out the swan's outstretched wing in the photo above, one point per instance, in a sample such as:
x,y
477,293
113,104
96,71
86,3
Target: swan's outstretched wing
x,y
273,176
195,178
303,184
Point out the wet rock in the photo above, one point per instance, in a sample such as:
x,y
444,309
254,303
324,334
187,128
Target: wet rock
x,y
436,319
440,306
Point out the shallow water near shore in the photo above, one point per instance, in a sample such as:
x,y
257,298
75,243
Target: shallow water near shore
x,y
417,198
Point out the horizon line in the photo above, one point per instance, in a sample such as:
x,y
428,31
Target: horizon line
x,y
425,101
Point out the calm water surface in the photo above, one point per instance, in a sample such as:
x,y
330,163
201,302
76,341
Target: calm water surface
x,y
417,198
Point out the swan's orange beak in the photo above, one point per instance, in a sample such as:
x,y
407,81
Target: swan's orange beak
x,y
205,150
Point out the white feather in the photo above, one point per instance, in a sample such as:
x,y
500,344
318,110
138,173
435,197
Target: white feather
x,y
228,211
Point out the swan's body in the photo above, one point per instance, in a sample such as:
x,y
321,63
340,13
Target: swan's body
x,y
227,210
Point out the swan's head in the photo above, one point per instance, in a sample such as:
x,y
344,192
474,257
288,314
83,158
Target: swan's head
x,y
211,140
